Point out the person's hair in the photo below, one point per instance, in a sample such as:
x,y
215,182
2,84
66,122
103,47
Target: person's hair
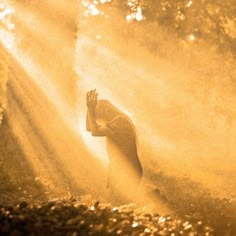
x,y
107,111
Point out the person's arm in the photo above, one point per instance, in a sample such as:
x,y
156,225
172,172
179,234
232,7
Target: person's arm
x,y
91,123
87,123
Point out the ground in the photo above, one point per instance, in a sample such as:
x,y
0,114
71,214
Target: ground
x,y
85,216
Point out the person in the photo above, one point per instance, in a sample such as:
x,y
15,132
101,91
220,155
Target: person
x,y
125,169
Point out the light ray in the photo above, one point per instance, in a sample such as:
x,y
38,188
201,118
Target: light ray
x,y
47,128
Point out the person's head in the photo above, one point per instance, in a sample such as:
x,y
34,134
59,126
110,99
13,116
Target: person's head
x,y
106,112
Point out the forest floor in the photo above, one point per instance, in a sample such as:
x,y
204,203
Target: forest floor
x,y
86,216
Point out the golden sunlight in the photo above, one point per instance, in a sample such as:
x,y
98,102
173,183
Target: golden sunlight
x,y
120,111
95,145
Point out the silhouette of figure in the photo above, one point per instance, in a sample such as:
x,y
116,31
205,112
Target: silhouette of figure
x,y
104,119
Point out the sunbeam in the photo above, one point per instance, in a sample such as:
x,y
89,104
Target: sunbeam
x,y
117,117
47,127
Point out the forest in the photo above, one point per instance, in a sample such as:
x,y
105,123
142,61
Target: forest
x,y
168,64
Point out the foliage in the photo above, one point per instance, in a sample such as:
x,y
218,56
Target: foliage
x,y
206,20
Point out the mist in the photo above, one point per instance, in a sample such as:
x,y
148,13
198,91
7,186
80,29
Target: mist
x,y
180,96
174,77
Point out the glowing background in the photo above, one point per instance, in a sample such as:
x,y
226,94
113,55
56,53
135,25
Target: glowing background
x,y
185,125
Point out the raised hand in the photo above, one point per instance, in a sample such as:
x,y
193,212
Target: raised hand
x,y
92,99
